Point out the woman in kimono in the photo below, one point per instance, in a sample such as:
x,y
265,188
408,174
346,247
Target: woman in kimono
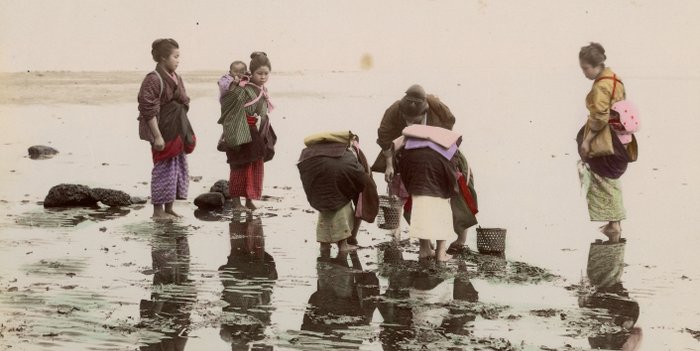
x,y
600,170
163,106
248,136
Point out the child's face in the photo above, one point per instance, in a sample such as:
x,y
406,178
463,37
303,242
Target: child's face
x,y
171,62
237,70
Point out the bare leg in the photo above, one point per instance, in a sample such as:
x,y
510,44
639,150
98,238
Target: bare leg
x,y
440,253
352,240
426,249
159,212
461,238
169,210
325,250
343,246
249,204
612,230
237,204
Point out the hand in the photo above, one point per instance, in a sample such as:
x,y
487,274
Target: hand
x,y
389,173
159,144
585,149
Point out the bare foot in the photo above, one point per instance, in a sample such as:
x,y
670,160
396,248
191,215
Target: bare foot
x,y
443,257
160,212
343,246
249,204
426,253
161,215
172,213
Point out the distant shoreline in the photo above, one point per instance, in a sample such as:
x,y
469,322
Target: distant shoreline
x,y
98,87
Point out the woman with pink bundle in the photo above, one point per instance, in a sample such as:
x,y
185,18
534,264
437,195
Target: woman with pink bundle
x,y
606,143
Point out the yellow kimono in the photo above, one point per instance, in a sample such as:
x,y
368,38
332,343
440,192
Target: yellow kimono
x,y
598,99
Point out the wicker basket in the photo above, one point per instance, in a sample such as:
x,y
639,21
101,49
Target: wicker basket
x,y
490,240
389,215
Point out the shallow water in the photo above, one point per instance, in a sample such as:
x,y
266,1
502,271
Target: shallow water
x,y
105,279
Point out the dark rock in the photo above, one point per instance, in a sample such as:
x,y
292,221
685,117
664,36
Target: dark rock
x,y
137,200
221,186
110,197
41,151
63,195
210,200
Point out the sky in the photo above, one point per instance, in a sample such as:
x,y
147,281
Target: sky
x,y
648,37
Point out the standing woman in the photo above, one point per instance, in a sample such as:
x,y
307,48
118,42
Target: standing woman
x,y
604,157
248,136
163,106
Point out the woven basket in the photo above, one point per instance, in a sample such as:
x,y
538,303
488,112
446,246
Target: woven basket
x,y
490,240
389,215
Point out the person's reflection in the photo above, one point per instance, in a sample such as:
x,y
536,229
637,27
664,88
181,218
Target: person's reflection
x,y
343,297
415,298
604,269
168,310
248,277
463,293
394,305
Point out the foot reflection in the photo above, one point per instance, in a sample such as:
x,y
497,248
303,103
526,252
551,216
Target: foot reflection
x,y
248,277
173,294
607,294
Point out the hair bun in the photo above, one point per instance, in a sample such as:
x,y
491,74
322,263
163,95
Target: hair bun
x,y
257,53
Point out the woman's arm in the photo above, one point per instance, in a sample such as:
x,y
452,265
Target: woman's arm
x,y
149,107
159,143
599,105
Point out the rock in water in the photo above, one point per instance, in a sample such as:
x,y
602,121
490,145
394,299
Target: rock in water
x,y
110,197
41,151
63,195
210,200
221,186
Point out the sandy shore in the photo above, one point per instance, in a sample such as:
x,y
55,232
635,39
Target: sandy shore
x,y
109,279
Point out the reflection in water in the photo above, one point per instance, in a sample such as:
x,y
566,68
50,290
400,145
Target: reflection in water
x,y
343,298
248,277
69,216
413,307
168,310
605,267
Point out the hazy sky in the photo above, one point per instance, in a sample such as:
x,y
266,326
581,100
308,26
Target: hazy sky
x,y
658,37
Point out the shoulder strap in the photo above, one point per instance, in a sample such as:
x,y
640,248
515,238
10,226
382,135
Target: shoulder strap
x,y
161,82
615,80
251,102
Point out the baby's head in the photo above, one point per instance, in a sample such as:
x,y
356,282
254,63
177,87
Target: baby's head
x,y
238,69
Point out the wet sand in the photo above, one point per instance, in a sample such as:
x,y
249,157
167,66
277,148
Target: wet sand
x,y
107,279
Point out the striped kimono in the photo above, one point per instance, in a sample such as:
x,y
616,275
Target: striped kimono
x,y
247,130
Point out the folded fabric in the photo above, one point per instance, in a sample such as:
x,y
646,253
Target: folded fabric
x,y
342,136
441,136
325,149
412,143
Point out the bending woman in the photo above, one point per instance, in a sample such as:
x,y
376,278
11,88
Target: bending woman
x,y
163,106
248,135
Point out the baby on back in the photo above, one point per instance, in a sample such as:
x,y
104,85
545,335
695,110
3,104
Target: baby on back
x,y
237,71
